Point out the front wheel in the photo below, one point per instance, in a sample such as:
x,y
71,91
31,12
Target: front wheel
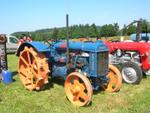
x,y
131,73
78,89
114,79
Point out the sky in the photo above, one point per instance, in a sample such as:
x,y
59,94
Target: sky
x,y
31,15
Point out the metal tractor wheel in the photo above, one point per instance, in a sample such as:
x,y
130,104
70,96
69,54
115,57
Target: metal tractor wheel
x,y
131,73
78,89
33,69
115,79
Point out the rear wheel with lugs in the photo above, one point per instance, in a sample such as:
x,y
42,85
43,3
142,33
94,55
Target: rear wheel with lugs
x,y
33,69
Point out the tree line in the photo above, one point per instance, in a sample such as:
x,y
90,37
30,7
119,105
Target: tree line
x,y
76,31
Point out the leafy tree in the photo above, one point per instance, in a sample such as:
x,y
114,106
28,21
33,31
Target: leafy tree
x,y
144,26
124,30
131,29
107,30
116,27
94,30
55,33
62,33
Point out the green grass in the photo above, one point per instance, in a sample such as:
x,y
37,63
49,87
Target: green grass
x,y
14,98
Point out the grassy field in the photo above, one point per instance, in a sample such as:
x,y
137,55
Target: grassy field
x,y
114,38
14,98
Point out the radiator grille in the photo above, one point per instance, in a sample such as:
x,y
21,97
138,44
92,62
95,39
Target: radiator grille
x,y
102,63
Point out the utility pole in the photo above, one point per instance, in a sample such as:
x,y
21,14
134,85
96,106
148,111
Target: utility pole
x,y
67,32
138,31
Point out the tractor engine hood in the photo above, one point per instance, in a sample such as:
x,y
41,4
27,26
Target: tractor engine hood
x,y
97,46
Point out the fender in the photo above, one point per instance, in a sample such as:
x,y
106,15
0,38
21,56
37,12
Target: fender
x,y
38,46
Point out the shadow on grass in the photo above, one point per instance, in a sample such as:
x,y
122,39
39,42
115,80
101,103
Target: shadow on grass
x,y
14,73
95,92
53,81
58,81
144,76
13,80
0,100
48,86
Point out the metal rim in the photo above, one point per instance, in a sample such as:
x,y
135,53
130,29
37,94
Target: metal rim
x,y
129,74
115,79
78,89
33,69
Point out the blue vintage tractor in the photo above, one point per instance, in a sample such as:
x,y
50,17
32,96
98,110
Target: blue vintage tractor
x,y
84,68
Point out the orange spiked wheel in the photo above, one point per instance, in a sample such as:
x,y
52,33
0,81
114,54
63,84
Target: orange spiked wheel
x,y
78,89
115,79
33,69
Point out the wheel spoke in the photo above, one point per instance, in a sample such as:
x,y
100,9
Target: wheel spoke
x,y
23,72
33,71
34,65
24,61
76,80
23,75
83,96
30,77
28,83
70,86
34,68
76,97
112,77
110,74
110,86
72,89
82,86
29,58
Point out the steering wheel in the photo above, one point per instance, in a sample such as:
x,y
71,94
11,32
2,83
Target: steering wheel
x,y
47,43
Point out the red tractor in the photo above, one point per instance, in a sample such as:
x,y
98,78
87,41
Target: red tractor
x,y
132,57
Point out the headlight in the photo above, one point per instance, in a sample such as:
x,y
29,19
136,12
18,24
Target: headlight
x,y
119,53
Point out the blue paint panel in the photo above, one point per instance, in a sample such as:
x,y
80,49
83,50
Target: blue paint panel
x,y
133,36
83,46
39,46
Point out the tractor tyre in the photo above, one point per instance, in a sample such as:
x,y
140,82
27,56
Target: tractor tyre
x,y
78,89
33,69
114,79
131,73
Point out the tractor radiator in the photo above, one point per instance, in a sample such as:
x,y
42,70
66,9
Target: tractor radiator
x,y
102,63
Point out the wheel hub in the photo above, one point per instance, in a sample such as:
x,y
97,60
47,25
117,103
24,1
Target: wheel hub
x,y
75,89
129,74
